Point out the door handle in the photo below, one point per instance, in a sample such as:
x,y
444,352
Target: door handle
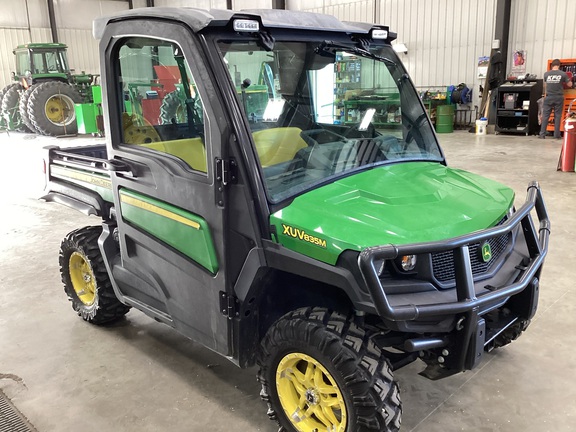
x,y
119,167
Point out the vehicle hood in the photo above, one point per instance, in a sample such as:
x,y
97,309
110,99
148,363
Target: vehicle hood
x,y
403,203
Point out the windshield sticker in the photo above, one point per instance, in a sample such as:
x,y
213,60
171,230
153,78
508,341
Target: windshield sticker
x,y
299,234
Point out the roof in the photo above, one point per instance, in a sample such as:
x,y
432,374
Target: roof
x,y
47,45
198,19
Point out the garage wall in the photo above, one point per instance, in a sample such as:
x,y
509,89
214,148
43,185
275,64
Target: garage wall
x,y
25,21
444,37
545,29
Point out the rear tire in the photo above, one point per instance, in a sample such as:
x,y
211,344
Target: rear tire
x,y
172,109
85,278
5,89
23,107
320,371
51,108
9,107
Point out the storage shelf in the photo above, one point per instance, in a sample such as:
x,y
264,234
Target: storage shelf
x,y
517,119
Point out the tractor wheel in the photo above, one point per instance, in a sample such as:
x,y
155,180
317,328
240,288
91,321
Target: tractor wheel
x,y
9,108
320,371
51,108
85,278
2,93
172,110
5,89
23,107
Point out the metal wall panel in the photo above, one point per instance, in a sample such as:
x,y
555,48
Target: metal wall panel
x,y
545,29
251,4
444,37
82,50
74,14
201,4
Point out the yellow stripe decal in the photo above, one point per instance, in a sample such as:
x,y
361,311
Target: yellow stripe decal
x,y
83,177
159,211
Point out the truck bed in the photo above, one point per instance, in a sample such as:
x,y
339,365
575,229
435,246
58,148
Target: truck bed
x,y
78,177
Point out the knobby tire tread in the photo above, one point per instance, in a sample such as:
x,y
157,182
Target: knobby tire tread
x,y
367,374
107,307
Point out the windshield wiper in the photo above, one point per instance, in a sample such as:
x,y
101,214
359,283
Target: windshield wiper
x,y
330,46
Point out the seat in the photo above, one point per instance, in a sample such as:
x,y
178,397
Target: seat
x,y
277,145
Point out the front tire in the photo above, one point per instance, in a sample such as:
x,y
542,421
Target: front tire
x,y
320,371
85,278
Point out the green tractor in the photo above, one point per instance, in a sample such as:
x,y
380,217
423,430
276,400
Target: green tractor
x,y
42,97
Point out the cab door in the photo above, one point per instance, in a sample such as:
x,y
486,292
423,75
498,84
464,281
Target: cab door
x,y
163,143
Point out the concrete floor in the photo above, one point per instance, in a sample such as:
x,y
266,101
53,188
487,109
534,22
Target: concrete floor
x,y
139,375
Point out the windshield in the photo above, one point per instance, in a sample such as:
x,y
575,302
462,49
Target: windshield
x,y
318,111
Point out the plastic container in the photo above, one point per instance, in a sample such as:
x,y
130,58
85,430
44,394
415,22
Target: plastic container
x,y
445,119
481,126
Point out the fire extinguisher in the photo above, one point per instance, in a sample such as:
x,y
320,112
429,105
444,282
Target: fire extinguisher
x,y
568,153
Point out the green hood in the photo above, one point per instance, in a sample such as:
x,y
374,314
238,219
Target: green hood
x,y
403,203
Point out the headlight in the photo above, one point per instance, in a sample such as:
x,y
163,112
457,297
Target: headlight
x,y
408,262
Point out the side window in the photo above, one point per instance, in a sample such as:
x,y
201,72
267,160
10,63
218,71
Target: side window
x,y
161,108
39,66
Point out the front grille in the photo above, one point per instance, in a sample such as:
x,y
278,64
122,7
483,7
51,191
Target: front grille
x,y
443,262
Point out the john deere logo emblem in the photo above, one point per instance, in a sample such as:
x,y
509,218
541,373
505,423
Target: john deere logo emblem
x,y
486,252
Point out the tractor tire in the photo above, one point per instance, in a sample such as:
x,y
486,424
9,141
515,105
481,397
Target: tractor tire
x,y
5,89
86,280
320,371
51,108
172,110
2,93
23,107
9,107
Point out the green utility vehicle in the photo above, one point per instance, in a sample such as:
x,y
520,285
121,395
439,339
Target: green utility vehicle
x,y
45,90
329,248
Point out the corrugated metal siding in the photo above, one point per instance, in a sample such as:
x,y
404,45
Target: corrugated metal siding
x,y
82,50
545,29
10,38
202,4
444,37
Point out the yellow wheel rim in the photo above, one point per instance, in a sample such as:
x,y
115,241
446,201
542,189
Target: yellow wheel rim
x,y
60,110
309,395
138,130
82,279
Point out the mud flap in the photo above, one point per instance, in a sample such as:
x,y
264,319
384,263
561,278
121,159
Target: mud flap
x,y
476,347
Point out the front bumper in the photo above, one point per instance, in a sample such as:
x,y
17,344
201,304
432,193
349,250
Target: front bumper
x,y
471,334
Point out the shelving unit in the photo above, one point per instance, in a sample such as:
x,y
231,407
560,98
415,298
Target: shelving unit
x,y
517,107
347,70
387,108
567,65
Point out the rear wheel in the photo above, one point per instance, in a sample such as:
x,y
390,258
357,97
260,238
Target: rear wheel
x,y
320,371
172,109
85,278
23,107
9,108
51,108
5,89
